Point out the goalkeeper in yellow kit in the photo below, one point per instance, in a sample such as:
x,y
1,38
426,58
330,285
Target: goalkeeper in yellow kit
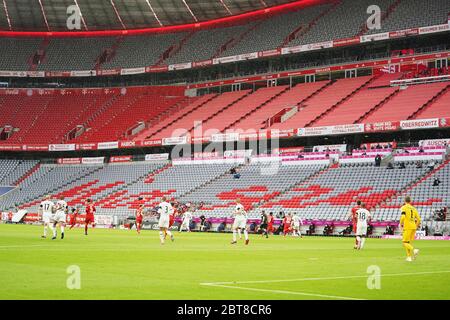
x,y
409,222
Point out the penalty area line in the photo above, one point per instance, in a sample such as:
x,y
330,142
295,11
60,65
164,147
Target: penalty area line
x,y
281,292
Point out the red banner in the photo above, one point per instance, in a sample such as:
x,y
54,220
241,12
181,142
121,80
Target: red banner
x,y
157,69
444,122
120,159
69,161
202,63
35,147
346,42
288,150
10,147
382,126
148,143
86,146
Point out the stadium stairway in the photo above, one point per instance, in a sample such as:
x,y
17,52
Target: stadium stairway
x,y
434,107
260,117
251,112
150,177
368,98
384,16
357,90
425,196
187,122
28,173
170,120
299,32
204,185
167,113
322,101
223,120
406,102
235,40
269,202
174,49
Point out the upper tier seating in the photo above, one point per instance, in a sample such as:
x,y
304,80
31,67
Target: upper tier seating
x,y
353,109
309,25
271,33
437,108
15,54
74,53
240,109
174,116
322,101
47,119
182,126
413,14
405,103
139,51
345,21
289,99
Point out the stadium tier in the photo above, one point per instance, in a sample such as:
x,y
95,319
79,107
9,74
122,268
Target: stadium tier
x,y
328,21
162,112
316,191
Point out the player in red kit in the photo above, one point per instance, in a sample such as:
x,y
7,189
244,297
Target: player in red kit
x,y
139,218
354,216
270,220
73,218
90,219
287,221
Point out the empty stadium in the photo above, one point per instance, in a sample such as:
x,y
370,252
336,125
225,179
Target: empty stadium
x,y
293,108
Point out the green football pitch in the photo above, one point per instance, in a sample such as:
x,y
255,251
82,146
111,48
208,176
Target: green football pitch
x,y
119,264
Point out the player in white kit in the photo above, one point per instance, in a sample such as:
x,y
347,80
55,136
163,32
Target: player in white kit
x,y
187,217
240,222
363,216
60,217
165,210
46,210
297,223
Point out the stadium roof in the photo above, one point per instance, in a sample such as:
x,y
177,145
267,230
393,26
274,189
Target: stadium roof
x,y
51,15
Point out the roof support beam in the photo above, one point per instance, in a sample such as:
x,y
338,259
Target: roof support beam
x,y
226,7
44,15
81,15
190,11
154,13
118,15
7,15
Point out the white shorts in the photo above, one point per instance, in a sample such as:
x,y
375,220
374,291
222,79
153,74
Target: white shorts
x,y
186,222
59,216
296,225
47,217
240,222
163,222
361,229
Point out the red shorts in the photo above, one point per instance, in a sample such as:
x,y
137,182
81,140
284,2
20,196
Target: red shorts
x,y
287,228
354,228
171,221
89,219
270,227
139,220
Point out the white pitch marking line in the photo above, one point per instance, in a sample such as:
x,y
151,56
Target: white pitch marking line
x,y
284,292
326,278
26,246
